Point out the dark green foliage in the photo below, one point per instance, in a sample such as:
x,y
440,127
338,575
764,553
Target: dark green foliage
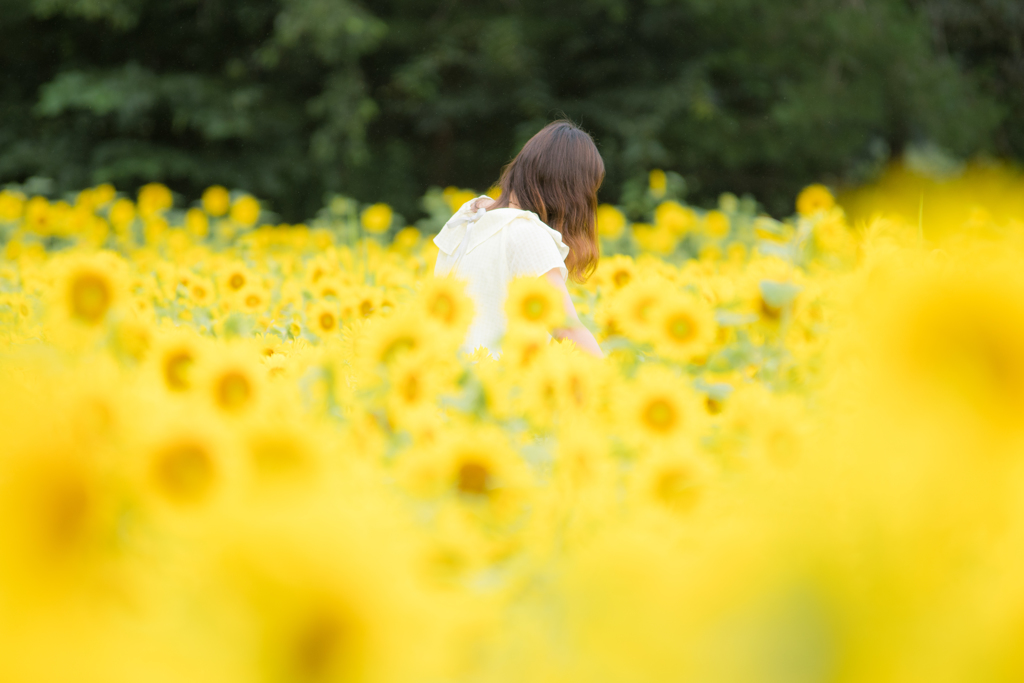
x,y
292,99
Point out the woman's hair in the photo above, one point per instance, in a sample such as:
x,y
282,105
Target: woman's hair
x,y
556,175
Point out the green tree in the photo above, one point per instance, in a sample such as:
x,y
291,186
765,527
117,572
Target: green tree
x,y
291,99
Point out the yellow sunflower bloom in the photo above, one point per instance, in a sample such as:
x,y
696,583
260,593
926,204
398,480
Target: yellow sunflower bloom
x,y
534,301
445,302
814,199
376,219
245,211
683,328
610,221
216,201
659,410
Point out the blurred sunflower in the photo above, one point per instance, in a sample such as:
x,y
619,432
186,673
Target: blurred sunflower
x,y
175,358
533,301
154,198
233,380
616,271
610,222
376,219
216,201
445,302
323,319
671,481
814,199
675,218
635,307
234,277
389,339
683,328
245,211
89,287
476,465
659,410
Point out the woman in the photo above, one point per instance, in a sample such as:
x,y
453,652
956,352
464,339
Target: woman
x,y
543,225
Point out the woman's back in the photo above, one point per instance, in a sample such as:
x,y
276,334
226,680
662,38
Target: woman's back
x,y
488,249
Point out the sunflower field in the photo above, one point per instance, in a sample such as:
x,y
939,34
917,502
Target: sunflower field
x,y
239,451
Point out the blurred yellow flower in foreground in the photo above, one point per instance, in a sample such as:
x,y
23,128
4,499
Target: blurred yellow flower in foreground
x,y
716,224
675,217
154,198
610,221
534,301
12,204
814,199
216,201
245,211
657,181
376,219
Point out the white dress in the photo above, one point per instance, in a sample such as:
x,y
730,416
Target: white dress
x,y
487,249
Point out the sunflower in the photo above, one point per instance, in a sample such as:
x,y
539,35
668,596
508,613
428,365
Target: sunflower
x,y
389,339
200,291
366,302
533,301
132,338
814,199
445,302
253,299
659,409
185,464
283,452
717,224
325,602
184,471
523,346
582,382
538,398
318,267
153,199
675,217
197,224
955,336
330,286
476,465
616,271
89,287
654,239
673,482
635,306
216,201
583,456
323,320
377,219
175,358
610,221
412,393
683,327
245,211
235,277
57,502
12,205
122,216
657,183
233,380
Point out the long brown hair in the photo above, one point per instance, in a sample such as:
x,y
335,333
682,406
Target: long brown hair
x,y
556,175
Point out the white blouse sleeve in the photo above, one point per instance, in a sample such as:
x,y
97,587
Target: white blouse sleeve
x,y
533,248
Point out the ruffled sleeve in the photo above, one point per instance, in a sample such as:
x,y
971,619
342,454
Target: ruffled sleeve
x,y
534,248
454,230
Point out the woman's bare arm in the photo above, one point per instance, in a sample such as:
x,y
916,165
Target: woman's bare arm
x,y
573,329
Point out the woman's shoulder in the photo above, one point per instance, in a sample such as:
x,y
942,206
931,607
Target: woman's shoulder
x,y
528,230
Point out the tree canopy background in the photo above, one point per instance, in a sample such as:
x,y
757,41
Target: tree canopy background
x,y
294,99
